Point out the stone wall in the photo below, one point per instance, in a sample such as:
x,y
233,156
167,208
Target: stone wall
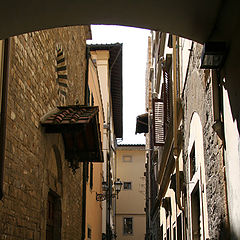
x,y
198,98
34,162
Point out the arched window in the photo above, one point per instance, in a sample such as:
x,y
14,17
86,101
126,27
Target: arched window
x,y
197,184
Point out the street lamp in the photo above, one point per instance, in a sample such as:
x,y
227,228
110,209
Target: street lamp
x,y
106,193
118,186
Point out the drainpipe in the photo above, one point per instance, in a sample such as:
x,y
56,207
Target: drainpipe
x,y
175,120
4,110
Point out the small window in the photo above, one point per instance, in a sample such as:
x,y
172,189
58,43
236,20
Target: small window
x,y
128,226
127,158
196,213
92,100
168,234
89,232
192,162
91,175
127,185
174,233
179,227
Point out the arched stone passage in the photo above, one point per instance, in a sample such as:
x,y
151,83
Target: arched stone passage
x,y
195,20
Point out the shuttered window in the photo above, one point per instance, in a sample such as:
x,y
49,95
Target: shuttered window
x,y
167,98
158,122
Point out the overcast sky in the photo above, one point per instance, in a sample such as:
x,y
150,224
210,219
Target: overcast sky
x,y
134,66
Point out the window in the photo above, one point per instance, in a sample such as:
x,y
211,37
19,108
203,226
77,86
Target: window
x,y
168,234
92,100
196,215
127,158
174,233
127,185
87,171
179,227
128,225
192,162
89,232
158,122
161,232
91,175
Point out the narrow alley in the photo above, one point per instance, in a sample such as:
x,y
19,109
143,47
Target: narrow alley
x,y
70,167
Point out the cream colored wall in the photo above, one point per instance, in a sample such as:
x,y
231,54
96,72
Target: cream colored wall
x,y
232,160
94,86
94,208
175,212
131,172
166,224
184,53
102,57
131,202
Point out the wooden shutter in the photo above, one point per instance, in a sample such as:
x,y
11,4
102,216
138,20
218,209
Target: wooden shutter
x,y
167,99
158,122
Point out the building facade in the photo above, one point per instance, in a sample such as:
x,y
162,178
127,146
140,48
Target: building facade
x,y
94,176
130,215
41,197
106,63
187,176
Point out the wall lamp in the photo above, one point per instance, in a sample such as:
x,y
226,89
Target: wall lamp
x,y
106,191
213,55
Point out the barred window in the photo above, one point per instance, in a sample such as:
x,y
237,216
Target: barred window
x,y
127,185
128,225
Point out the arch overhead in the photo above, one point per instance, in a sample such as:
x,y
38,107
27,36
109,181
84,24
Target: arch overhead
x,y
196,20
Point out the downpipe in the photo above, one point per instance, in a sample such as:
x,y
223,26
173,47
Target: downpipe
x,y
175,121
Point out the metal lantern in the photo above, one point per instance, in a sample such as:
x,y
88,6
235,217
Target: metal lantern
x,y
213,55
118,186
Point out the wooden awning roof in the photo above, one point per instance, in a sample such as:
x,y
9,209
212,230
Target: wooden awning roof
x,y
79,127
142,123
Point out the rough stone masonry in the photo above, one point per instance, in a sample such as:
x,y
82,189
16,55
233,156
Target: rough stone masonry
x,y
34,162
198,98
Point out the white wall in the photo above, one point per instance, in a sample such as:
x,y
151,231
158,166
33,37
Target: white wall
x,y
232,161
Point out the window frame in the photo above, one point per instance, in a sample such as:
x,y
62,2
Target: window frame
x,y
127,182
124,158
125,233
89,230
